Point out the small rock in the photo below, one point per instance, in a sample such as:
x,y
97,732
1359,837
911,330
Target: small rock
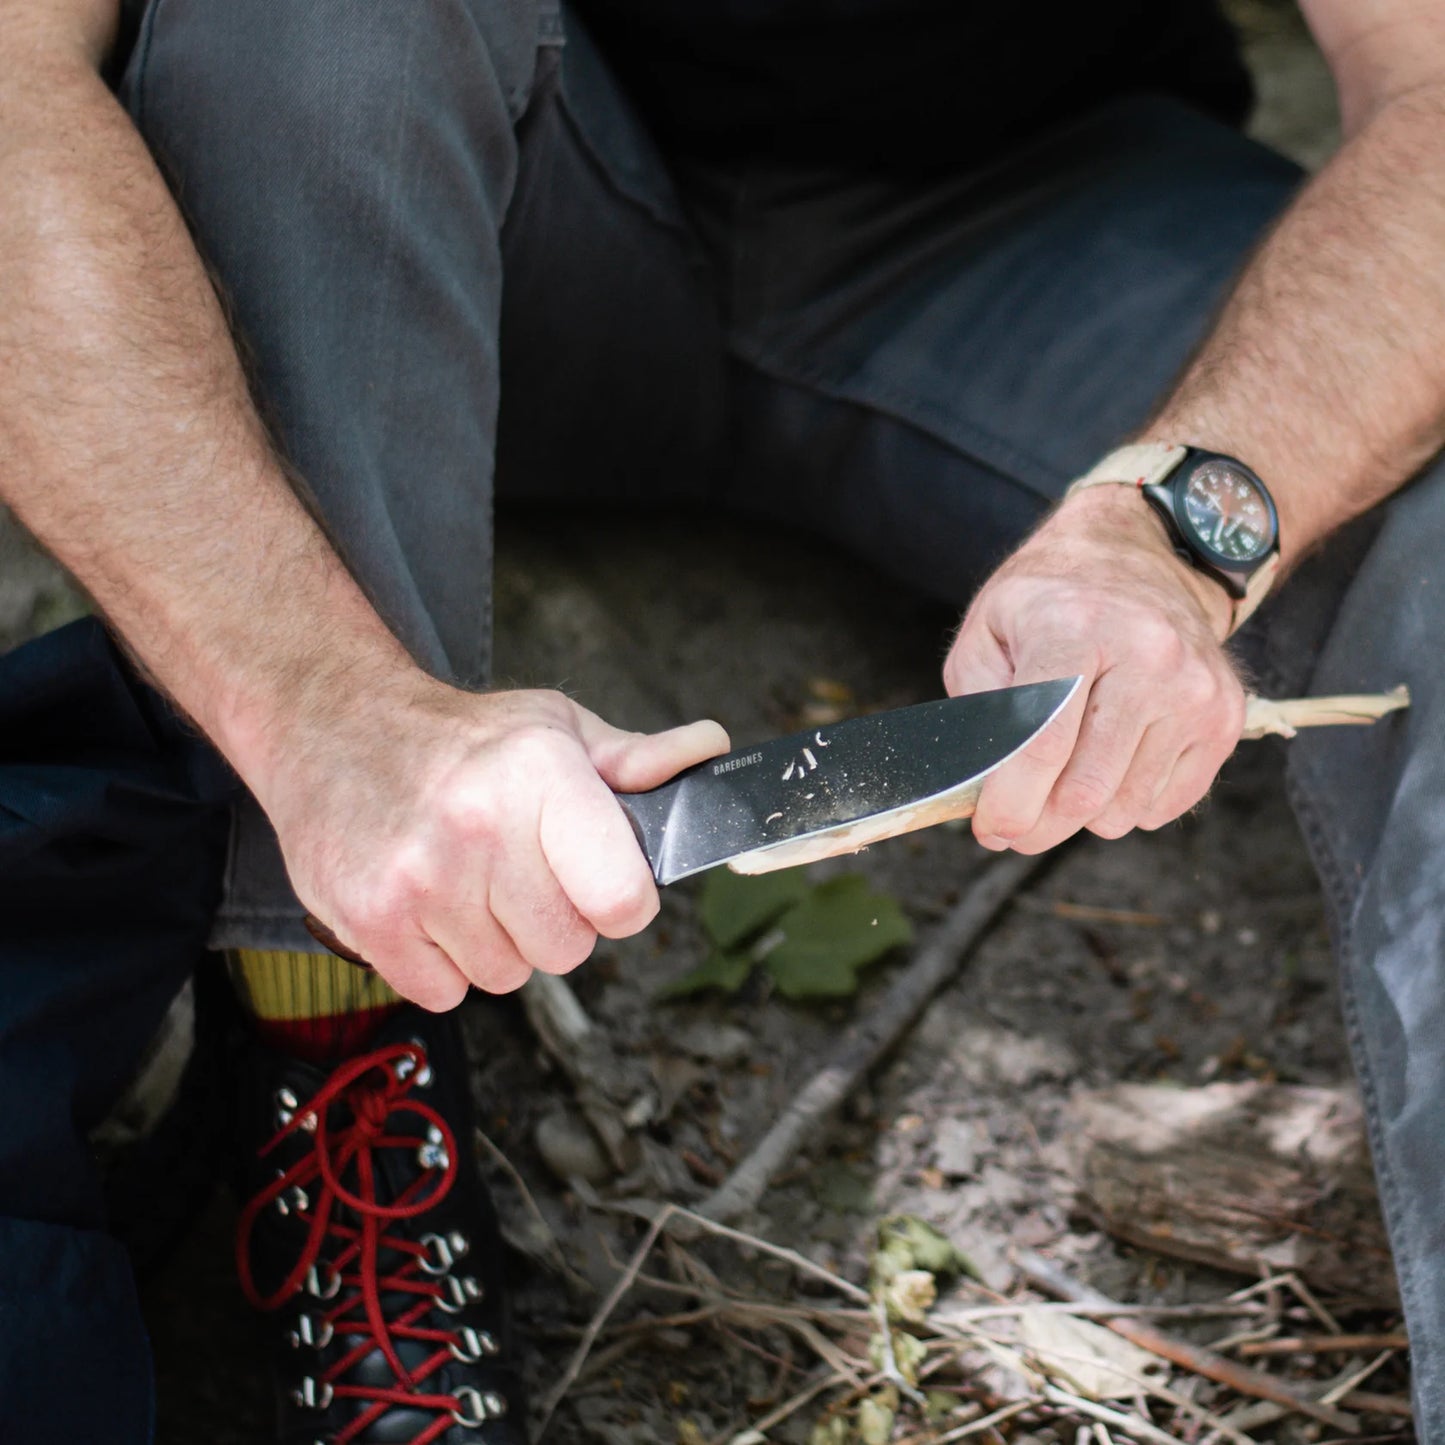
x,y
956,1144
718,1043
570,1149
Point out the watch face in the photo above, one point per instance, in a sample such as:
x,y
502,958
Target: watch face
x,y
1227,511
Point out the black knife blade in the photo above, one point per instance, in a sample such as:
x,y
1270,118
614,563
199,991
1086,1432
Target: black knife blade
x,y
835,789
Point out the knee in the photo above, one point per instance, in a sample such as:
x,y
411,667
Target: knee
x,y
265,91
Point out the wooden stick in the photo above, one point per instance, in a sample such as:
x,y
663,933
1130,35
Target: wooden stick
x,y
867,1040
1285,716
1326,1344
1247,1381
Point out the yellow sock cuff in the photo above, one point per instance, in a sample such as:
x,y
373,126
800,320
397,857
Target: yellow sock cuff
x,y
278,984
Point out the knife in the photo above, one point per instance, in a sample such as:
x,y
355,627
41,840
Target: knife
x,y
795,800
836,789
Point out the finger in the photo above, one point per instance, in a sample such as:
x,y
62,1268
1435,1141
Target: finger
x,y
977,661
1107,741
593,853
421,971
528,903
479,947
634,762
1154,760
1187,785
1013,798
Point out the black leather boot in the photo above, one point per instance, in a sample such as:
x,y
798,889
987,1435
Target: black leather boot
x,y
370,1234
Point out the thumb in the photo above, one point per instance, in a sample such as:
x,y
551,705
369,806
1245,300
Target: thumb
x,y
633,762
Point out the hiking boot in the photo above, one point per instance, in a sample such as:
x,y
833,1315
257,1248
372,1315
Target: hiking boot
x,y
369,1232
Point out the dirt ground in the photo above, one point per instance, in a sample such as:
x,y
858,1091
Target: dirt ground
x,y
1225,974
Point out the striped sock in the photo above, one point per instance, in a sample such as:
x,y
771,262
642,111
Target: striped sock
x,y
313,1005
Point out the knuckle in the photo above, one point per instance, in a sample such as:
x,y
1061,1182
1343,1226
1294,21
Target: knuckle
x,y
1111,825
471,811
631,907
440,996
499,978
568,951
1051,749
1083,797
1004,825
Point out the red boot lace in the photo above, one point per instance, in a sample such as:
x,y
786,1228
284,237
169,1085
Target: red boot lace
x,y
373,1087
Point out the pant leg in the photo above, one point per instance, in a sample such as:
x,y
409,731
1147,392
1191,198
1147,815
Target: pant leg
x,y
923,369
923,366
361,178
1368,613
112,830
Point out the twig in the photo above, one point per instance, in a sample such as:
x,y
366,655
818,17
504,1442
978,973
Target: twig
x,y
985,1422
1286,715
867,1040
1368,1403
594,1328
1306,1297
1326,1344
648,1209
1091,912
1134,1425
1243,1378
1345,1387
891,1372
791,1405
1102,1311
553,1250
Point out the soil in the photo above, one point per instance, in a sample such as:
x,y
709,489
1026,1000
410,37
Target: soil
x,y
1225,973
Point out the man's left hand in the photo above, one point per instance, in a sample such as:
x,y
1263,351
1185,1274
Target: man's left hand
x,y
1097,592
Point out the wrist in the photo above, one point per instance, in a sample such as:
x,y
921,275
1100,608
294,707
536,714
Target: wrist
x,y
294,705
1120,513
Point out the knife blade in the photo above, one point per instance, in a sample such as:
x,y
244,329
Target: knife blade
x,y
836,789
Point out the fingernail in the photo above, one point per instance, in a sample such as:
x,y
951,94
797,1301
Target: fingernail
x,y
993,843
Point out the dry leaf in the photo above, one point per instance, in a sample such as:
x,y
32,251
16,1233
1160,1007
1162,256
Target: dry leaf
x,y
1085,1357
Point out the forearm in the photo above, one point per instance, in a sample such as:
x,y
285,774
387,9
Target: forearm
x,y
1326,372
128,440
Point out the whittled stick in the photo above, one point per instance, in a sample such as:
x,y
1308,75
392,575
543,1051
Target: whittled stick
x,y
1285,716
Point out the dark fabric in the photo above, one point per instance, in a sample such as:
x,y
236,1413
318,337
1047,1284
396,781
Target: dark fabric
x,y
112,840
903,85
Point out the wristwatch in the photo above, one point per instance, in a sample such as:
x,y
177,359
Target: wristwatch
x,y
1219,516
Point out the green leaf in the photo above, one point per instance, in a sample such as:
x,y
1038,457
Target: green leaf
x,y
727,971
734,907
824,940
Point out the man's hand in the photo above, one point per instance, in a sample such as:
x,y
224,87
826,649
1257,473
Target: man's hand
x,y
456,839
1097,592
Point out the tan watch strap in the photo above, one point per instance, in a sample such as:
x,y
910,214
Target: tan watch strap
x,y
1142,464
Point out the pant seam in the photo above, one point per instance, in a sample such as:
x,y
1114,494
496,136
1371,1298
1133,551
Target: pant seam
x,y
1342,897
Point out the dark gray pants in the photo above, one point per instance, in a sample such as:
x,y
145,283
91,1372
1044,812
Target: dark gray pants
x,y
408,203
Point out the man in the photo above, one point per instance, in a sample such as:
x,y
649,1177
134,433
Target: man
x,y
894,271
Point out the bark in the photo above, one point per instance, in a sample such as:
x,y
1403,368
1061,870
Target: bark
x,y
1237,1176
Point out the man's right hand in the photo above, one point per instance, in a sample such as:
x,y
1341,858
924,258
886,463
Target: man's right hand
x,y
453,838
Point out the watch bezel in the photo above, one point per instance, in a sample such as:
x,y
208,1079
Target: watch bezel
x,y
1168,498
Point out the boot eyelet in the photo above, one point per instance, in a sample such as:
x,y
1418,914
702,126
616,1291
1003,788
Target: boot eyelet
x,y
286,1106
294,1199
472,1344
476,1407
461,1293
306,1333
313,1282
418,1070
313,1394
439,1257
433,1153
